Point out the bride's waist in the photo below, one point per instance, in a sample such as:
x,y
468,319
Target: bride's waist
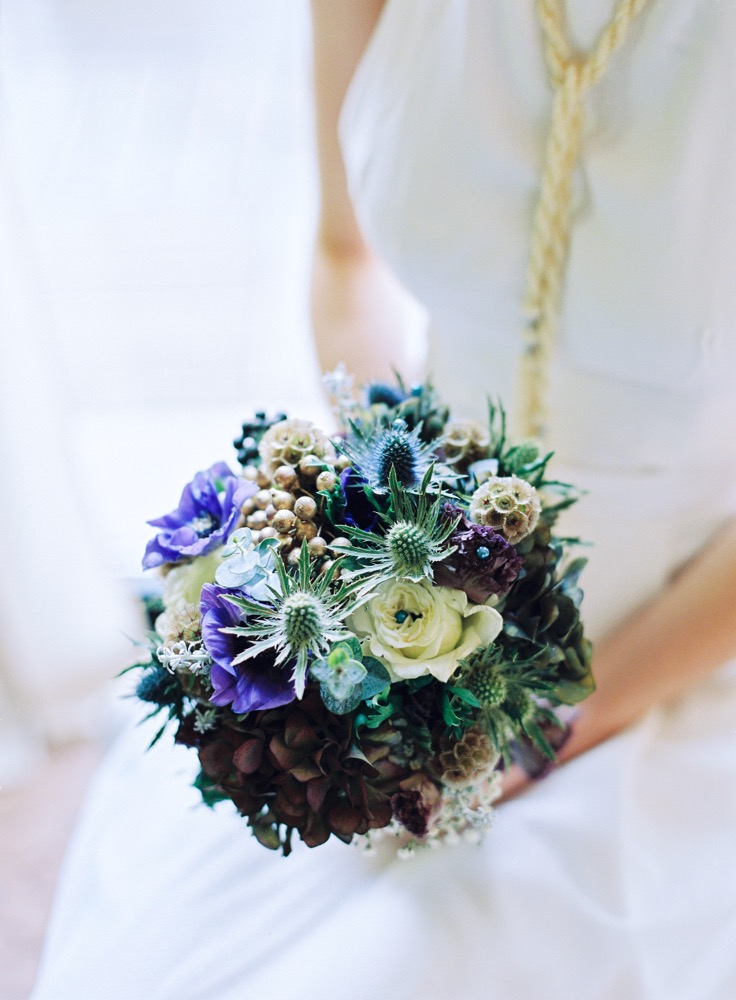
x,y
677,508
638,526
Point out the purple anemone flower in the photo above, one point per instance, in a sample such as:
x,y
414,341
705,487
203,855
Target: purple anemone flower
x,y
253,685
483,562
209,510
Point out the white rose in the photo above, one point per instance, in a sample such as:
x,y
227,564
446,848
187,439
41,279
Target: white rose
x,y
417,629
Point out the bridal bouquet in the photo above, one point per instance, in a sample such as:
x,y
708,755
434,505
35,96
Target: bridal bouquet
x,y
359,632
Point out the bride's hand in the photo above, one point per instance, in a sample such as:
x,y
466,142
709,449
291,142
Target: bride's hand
x,y
513,783
677,639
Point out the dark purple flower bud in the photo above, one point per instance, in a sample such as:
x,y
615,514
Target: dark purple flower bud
x,y
253,685
416,804
483,563
208,512
359,511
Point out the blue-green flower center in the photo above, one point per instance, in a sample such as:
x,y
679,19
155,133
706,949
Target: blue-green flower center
x,y
401,616
483,552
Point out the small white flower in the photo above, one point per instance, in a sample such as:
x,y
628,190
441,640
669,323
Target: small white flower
x,y
205,720
186,656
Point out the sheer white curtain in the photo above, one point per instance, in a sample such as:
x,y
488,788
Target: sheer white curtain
x,y
60,613
157,204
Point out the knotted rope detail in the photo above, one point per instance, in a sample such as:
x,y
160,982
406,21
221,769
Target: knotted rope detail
x,y
571,76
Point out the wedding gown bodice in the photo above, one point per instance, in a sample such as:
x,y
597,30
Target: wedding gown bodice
x,y
443,131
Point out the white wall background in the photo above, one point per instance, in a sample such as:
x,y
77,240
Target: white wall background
x,y
159,193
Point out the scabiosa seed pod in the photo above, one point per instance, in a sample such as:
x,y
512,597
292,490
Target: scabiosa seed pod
x,y
508,504
289,441
465,442
181,626
467,760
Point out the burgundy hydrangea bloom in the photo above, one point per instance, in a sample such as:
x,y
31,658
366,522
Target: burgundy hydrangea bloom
x,y
253,685
483,563
208,512
296,769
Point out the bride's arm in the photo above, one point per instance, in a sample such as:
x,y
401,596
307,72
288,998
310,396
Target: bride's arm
x,y
360,313
668,645
671,643
361,316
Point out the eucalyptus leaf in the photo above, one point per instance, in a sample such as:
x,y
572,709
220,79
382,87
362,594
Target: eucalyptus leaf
x,y
377,678
353,644
340,706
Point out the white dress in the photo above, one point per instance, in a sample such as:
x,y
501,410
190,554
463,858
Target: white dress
x,y
616,876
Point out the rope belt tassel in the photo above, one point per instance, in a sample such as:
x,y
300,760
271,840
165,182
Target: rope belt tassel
x,y
571,76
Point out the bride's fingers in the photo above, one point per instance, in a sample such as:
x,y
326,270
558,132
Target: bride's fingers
x,y
514,782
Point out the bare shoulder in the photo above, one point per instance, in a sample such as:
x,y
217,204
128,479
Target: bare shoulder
x,y
341,30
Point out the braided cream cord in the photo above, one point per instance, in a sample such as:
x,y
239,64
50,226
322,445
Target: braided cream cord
x,y
571,75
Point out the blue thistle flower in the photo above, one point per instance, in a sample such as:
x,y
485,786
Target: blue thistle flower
x,y
374,452
416,537
389,395
299,622
159,687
